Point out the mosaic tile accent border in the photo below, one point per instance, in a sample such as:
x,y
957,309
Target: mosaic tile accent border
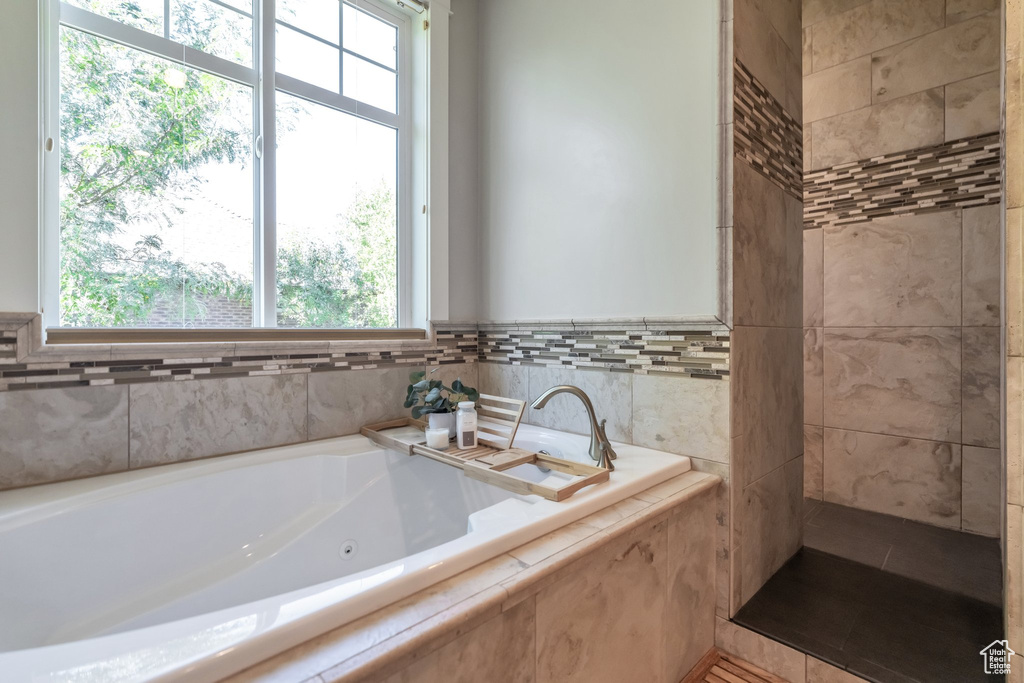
x,y
765,136
952,175
447,347
700,354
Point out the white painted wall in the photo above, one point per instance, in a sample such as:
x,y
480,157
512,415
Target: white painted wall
x,y
463,169
598,156
19,157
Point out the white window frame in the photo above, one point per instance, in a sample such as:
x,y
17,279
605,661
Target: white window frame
x,y
414,107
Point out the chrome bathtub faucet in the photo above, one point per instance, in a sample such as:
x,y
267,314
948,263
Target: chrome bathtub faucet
x,y
600,448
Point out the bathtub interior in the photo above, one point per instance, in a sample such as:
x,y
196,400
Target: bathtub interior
x,y
224,539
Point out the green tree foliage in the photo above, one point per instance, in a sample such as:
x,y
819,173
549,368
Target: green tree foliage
x,y
135,130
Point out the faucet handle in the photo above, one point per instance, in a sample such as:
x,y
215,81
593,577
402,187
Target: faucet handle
x,y
606,444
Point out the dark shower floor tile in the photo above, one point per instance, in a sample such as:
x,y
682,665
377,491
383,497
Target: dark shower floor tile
x,y
878,625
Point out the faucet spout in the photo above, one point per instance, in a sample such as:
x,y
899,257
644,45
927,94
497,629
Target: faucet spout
x,y
600,447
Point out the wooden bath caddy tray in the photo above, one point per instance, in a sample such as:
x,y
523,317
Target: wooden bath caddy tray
x,y
497,423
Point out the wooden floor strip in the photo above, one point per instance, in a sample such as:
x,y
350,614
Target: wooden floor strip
x,y
721,667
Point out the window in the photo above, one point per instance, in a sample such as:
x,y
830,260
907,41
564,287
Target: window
x,y
202,183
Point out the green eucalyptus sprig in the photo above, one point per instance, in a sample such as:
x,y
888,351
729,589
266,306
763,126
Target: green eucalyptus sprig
x,y
427,396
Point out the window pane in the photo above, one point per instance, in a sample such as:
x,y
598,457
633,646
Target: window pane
x,y
369,83
336,228
156,217
214,29
308,60
145,14
319,17
371,37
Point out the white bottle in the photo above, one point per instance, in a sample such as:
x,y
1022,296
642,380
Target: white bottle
x,y
465,425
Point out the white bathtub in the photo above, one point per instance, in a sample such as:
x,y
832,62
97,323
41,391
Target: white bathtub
x,y
195,571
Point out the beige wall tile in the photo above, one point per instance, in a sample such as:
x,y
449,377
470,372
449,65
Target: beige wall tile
x,y
909,478
807,148
817,10
973,106
1014,282
837,90
814,339
610,392
813,278
342,403
768,525
981,494
689,630
1014,578
682,415
959,10
174,421
767,401
54,434
773,657
900,381
873,26
1014,137
969,48
1015,430
820,672
509,381
902,270
813,462
476,655
981,265
469,373
767,252
806,57
981,386
605,622
784,16
905,123
759,47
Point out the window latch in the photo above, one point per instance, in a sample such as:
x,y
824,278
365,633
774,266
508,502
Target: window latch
x,y
259,146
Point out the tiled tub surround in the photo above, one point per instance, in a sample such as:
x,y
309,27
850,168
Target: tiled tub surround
x,y
624,594
628,577
902,259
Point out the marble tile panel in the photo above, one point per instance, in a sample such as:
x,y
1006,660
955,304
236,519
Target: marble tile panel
x,y
813,462
820,672
981,280
767,252
973,106
759,47
768,525
873,26
1014,579
981,386
503,648
555,542
960,10
467,372
814,339
510,381
1015,430
909,478
342,403
900,381
784,16
54,434
806,57
682,415
838,89
807,148
906,123
1014,260
773,657
605,622
963,50
610,392
1014,131
767,414
814,274
175,421
689,630
818,10
981,490
900,270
